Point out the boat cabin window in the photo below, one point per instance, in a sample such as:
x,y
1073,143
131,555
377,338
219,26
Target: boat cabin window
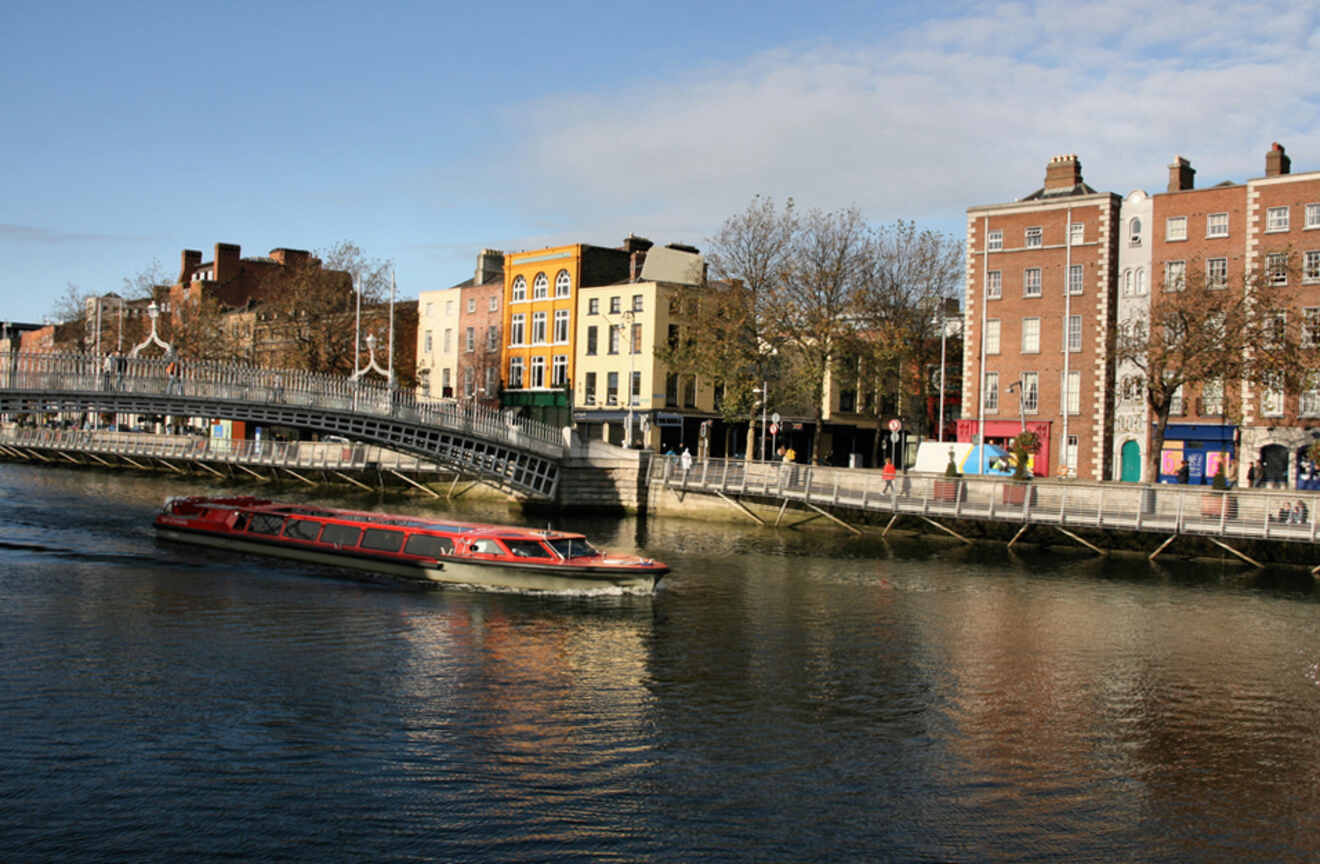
x,y
428,546
241,521
382,540
341,535
266,523
302,529
526,549
573,547
486,547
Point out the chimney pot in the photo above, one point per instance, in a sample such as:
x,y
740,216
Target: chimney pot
x,y
1277,161
1063,172
1182,175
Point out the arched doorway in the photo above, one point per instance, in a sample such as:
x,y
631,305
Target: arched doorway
x,y
1130,461
1274,462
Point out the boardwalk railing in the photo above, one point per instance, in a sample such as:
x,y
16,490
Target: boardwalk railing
x,y
85,373
1167,509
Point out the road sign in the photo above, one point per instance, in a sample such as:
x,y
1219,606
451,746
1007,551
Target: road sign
x,y
774,428
774,418
893,436
895,425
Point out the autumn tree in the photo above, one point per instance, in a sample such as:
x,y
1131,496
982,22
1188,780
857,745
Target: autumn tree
x,y
898,315
1211,330
723,335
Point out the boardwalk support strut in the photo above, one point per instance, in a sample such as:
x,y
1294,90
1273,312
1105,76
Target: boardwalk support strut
x,y
741,506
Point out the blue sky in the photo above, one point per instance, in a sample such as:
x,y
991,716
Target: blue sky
x,y
424,132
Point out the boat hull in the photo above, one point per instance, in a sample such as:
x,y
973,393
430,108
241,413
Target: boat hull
x,y
496,574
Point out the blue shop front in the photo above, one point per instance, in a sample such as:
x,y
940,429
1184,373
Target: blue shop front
x,y
1204,446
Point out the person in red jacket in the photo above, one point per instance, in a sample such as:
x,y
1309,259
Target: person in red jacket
x,y
889,472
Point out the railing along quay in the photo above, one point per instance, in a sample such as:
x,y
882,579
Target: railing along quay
x,y
296,458
1255,514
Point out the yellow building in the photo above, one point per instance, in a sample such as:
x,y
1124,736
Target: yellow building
x,y
541,289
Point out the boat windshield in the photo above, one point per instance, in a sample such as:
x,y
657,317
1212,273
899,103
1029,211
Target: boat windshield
x,y
574,547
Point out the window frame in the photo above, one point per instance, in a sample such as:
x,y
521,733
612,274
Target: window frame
x,y
563,284
993,335
1216,281
1033,237
994,284
518,290
1028,283
1278,219
990,398
994,240
1210,219
1030,325
1173,227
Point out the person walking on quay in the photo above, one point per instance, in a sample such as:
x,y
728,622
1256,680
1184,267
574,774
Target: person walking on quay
x,y
106,369
686,460
1251,476
889,473
175,384
1183,473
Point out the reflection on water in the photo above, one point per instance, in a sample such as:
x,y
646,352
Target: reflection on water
x,y
784,696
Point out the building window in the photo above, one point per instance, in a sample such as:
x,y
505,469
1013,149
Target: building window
x,y
559,371
1271,400
589,389
1070,456
1134,232
992,336
994,285
593,306
449,308
1212,397
469,382
1031,282
538,372
1312,216
1276,265
1077,233
991,392
1311,327
444,382
472,305
671,391
538,328
427,349
519,289
1075,272
1276,219
636,346
1140,288
449,339
563,284
470,339
1127,283
515,373
1276,327
1072,390
615,336
1074,333
1175,228
591,341
1216,273
1216,225
690,391
1175,275
1034,237
1030,393
1030,335
491,380
1308,403
561,326
492,337
1175,400
614,305
635,391
994,241
1311,266
612,388
494,304
540,287
517,325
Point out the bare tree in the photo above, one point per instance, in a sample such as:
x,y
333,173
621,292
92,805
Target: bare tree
x,y
1199,331
723,331
809,307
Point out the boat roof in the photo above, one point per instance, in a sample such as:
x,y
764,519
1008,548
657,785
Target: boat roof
x,y
395,520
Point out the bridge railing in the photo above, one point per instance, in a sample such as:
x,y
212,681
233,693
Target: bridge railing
x,y
1169,508
52,373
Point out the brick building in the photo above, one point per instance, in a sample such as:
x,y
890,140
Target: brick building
x,y
1038,322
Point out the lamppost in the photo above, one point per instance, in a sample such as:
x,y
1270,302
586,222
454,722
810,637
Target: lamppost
x,y
944,334
1016,387
371,361
632,360
764,391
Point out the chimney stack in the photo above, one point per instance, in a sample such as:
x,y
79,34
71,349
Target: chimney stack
x,y
1276,161
1063,172
191,258
226,261
1182,175
490,266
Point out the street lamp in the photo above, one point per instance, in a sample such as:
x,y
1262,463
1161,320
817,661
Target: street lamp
x,y
371,361
1017,387
764,391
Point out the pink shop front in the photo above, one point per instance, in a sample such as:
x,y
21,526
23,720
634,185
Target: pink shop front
x,y
1002,433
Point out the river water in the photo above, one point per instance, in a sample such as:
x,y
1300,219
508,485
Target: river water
x,y
786,695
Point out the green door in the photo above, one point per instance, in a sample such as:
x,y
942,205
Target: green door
x,y
1131,462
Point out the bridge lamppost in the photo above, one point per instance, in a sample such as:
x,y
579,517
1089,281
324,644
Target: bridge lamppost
x,y
371,362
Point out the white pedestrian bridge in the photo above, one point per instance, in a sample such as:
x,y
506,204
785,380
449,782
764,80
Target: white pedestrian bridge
x,y
516,455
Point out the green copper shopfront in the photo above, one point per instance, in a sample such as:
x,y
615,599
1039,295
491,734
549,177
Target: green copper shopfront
x,y
547,406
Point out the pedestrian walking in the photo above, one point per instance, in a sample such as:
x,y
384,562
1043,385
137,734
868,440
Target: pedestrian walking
x,y
107,368
174,384
686,459
1184,472
889,472
1251,476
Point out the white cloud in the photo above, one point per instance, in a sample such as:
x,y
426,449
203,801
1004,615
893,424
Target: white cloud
x,y
955,112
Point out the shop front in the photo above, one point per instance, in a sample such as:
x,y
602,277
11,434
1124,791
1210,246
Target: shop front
x,y
1001,434
1204,446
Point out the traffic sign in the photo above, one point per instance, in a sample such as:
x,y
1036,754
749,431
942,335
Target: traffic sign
x,y
774,418
895,425
893,436
774,428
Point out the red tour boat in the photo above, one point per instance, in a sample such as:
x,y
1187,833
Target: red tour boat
x,y
411,548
